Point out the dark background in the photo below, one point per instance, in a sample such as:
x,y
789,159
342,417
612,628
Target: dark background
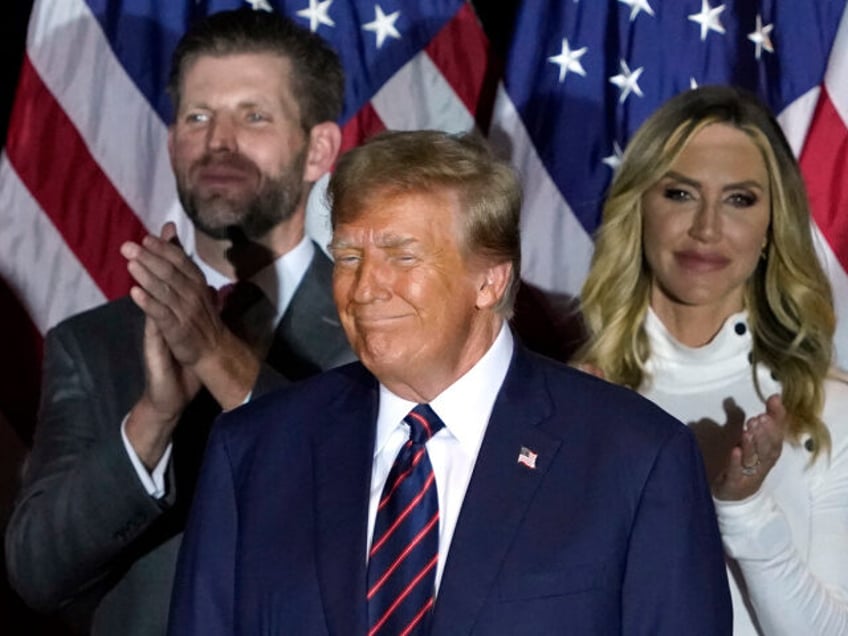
x,y
15,618
12,36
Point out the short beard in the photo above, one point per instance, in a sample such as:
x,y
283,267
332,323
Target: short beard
x,y
275,202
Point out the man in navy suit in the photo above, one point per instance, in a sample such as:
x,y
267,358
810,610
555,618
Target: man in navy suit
x,y
560,503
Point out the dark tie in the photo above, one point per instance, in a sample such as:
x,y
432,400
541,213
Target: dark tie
x,y
248,313
405,546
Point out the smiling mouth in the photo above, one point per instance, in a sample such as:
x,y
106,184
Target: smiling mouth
x,y
223,169
221,175
701,262
377,320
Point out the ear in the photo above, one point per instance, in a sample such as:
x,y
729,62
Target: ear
x,y
325,139
493,283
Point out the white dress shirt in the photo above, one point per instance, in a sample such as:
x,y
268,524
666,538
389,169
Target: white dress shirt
x,y
278,281
465,408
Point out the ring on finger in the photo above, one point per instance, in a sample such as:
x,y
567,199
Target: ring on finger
x,y
752,468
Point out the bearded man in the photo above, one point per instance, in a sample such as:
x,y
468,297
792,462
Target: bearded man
x,y
131,388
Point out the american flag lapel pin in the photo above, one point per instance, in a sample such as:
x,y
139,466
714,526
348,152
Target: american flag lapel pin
x,y
527,457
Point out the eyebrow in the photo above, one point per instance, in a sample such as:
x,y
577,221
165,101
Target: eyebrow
x,y
386,241
393,240
253,103
203,104
187,105
748,183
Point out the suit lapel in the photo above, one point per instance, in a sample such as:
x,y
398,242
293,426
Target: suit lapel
x,y
499,493
309,337
343,460
312,305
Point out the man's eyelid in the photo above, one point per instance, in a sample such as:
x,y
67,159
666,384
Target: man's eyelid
x,y
258,114
339,250
257,105
406,250
196,114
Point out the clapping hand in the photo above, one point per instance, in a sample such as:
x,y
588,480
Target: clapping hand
x,y
171,290
759,449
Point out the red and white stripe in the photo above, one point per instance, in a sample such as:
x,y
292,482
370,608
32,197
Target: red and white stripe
x,y
86,165
824,162
85,168
78,109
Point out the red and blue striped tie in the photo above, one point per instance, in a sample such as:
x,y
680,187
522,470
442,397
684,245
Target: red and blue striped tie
x,y
405,547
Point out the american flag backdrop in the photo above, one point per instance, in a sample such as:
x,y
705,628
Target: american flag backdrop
x,y
85,165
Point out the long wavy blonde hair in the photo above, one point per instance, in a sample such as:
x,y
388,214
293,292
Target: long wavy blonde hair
x,y
788,297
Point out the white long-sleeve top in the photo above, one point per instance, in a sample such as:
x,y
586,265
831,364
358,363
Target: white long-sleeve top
x,y
787,545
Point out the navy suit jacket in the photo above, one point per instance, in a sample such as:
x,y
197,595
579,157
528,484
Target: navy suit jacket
x,y
612,532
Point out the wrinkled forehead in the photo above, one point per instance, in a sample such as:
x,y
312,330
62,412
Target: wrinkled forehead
x,y
362,200
391,216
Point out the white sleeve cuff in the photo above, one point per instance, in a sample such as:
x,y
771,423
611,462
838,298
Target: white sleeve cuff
x,y
153,482
753,528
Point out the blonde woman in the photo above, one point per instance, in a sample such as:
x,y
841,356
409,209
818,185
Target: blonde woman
x,y
705,295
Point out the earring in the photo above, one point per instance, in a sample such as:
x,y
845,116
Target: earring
x,y
764,250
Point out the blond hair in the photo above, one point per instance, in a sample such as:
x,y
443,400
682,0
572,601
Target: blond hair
x,y
788,297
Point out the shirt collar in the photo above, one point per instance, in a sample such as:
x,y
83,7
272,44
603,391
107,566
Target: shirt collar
x,y
278,280
465,406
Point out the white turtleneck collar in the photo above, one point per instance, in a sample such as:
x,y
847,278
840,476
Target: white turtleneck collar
x,y
679,368
701,383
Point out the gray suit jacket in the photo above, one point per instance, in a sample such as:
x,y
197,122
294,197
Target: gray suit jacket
x,y
85,538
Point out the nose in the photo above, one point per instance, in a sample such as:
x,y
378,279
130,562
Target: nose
x,y
222,134
706,224
371,282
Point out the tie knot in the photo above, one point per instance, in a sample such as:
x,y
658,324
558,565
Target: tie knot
x,y
423,423
248,313
235,298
